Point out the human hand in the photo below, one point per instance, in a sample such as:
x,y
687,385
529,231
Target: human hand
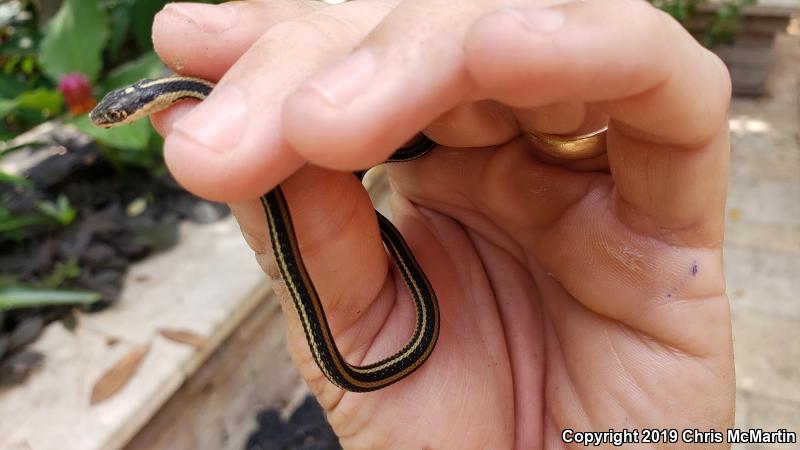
x,y
572,296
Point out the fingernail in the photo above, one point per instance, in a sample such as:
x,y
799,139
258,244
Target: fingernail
x,y
342,83
219,121
209,18
543,20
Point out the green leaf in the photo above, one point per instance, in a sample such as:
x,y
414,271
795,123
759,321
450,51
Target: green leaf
x,y
61,211
15,180
7,106
142,21
28,65
43,102
150,157
13,223
63,271
75,39
146,66
133,137
41,99
119,16
13,298
10,87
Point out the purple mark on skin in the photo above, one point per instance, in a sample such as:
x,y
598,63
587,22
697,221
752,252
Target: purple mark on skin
x,y
669,295
694,268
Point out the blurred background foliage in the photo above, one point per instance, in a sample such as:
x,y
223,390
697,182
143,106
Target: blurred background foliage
x,y
56,59
722,27
61,63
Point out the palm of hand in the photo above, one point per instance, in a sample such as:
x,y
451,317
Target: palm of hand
x,y
555,313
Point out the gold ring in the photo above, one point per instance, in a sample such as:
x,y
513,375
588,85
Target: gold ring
x,y
559,146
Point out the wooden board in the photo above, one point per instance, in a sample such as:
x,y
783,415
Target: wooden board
x,y
207,285
216,408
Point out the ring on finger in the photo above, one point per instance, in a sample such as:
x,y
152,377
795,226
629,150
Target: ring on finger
x,y
584,146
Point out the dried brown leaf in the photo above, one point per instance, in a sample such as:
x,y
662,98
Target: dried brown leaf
x,y
116,377
184,337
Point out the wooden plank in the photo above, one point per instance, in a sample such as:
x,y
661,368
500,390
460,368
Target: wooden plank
x,y
207,285
216,408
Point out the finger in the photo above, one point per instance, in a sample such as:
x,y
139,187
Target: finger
x,y
205,40
366,303
489,123
486,123
421,75
474,124
230,147
494,190
164,120
408,72
342,250
667,150
563,118
585,54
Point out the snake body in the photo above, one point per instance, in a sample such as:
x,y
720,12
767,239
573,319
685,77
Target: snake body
x,y
147,96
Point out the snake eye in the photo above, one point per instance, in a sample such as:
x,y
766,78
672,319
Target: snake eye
x,y
115,116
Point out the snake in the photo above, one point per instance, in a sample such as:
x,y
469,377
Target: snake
x,y
127,104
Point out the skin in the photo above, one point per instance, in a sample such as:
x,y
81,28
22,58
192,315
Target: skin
x,y
584,295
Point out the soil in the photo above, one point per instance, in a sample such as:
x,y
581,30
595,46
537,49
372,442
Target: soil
x,y
122,214
306,429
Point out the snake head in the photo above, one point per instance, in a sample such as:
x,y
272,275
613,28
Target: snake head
x,y
116,108
144,97
124,105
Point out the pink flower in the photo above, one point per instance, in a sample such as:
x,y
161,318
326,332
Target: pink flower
x,y
77,93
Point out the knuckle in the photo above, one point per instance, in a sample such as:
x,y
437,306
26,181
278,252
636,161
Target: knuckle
x,y
723,74
648,24
721,86
655,24
306,41
319,28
